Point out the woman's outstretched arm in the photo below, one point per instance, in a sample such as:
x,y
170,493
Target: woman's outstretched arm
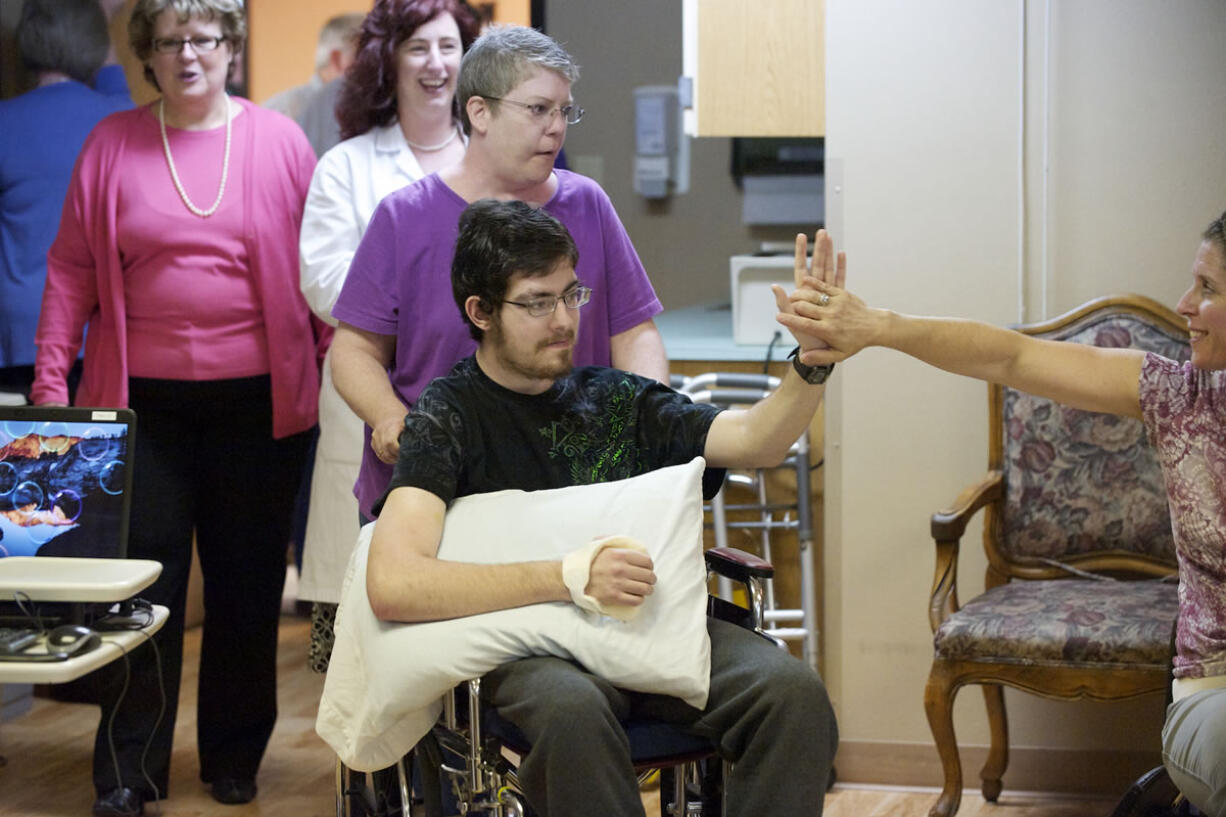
x,y
1086,377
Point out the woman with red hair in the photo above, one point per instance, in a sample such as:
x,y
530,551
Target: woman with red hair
x,y
399,122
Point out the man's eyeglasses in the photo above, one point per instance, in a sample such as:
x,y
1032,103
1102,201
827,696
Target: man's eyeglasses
x,y
548,304
539,113
201,45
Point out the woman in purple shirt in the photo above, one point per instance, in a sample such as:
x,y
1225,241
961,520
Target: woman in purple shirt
x,y
1183,407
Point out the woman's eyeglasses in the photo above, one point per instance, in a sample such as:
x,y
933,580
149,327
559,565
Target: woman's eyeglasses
x,y
201,45
571,113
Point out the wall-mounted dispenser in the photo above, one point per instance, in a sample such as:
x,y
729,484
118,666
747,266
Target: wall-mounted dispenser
x,y
662,150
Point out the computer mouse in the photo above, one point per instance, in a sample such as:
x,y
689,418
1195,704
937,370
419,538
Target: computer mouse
x,y
71,639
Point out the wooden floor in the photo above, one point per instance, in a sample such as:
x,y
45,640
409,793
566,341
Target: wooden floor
x,y
49,759
49,750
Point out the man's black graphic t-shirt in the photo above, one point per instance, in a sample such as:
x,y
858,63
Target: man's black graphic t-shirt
x,y
468,435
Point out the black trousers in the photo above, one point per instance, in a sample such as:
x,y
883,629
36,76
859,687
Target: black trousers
x,y
205,460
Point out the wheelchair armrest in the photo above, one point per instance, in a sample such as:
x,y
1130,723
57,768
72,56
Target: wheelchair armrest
x,y
750,570
738,565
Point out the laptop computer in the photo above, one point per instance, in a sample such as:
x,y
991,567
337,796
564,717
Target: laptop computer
x,y
65,481
65,502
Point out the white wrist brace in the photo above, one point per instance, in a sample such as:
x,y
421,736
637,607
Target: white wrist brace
x,y
577,568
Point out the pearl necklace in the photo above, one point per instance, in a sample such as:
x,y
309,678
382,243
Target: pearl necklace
x,y
433,148
174,174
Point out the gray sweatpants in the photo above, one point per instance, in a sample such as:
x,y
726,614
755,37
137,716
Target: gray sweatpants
x,y
1194,749
767,712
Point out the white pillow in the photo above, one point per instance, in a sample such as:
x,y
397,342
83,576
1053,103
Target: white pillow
x,y
385,681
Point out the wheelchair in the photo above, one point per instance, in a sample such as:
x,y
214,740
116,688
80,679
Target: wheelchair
x,y
466,752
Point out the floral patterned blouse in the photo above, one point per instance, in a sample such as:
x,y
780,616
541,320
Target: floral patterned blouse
x,y
1184,409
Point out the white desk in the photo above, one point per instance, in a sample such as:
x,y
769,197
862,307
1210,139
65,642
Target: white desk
x,y
77,581
113,645
61,578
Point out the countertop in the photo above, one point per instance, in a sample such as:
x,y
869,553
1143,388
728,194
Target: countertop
x,y
705,333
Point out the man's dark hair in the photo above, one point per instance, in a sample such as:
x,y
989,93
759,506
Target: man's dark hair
x,y
69,36
501,239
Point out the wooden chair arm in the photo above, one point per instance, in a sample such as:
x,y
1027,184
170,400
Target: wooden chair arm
x,y
947,528
950,523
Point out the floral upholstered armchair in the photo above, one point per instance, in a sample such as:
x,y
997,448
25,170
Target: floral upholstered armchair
x,y
1080,591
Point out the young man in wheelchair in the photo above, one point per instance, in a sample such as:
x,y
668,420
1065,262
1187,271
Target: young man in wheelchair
x,y
481,428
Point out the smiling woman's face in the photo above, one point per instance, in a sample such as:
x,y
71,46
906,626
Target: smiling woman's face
x,y
1204,306
427,64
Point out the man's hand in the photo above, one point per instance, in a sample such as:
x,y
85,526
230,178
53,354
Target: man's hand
x,y
814,282
385,439
621,577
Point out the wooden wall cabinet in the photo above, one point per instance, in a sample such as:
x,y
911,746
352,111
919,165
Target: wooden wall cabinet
x,y
756,67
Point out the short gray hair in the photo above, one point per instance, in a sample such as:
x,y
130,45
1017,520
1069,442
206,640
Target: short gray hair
x,y
340,31
502,57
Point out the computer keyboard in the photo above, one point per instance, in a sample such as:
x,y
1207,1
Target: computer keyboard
x,y
15,639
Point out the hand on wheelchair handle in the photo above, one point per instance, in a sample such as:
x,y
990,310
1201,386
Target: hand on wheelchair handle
x,y
610,576
385,441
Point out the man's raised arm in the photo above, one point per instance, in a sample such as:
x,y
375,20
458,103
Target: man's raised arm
x,y
761,435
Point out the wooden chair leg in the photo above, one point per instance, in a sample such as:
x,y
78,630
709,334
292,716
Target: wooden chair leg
x,y
939,705
998,751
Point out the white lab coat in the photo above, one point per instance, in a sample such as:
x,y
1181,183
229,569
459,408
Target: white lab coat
x,y
349,182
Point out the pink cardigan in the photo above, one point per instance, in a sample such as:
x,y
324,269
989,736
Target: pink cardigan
x,y
85,279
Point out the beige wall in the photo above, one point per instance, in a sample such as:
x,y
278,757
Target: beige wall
x,y
282,39
924,117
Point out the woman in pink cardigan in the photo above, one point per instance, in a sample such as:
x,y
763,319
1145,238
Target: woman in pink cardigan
x,y
178,248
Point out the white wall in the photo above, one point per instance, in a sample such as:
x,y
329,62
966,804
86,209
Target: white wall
x,y
924,112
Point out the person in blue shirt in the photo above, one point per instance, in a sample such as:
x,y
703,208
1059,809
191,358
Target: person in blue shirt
x,y
65,45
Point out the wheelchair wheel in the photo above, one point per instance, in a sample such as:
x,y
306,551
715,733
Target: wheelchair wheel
x,y
1152,795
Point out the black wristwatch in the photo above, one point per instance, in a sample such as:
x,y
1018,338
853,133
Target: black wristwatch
x,y
813,375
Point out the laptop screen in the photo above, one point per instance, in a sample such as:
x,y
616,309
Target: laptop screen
x,y
65,481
